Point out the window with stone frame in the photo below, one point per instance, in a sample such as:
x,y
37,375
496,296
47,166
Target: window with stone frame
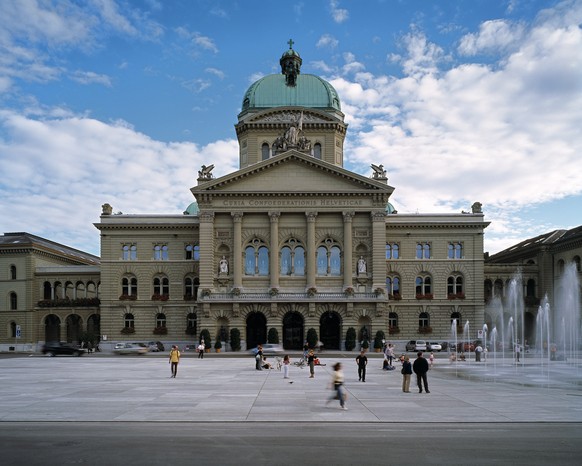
x,y
423,250
128,321
292,261
191,288
129,286
129,252
256,258
13,301
317,153
423,320
423,287
393,287
161,286
161,252
192,252
392,250
161,320
12,272
455,286
265,151
455,250
329,258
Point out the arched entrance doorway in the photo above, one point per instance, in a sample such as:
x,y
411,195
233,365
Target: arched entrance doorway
x,y
94,325
73,328
330,330
529,328
52,328
256,329
293,331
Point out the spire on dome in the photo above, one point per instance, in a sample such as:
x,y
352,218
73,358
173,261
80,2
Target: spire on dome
x,y
290,64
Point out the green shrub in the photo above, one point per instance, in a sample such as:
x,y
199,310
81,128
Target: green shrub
x,y
350,339
312,337
273,336
379,339
205,335
235,339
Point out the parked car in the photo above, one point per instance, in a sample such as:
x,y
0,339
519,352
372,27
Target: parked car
x,y
56,348
411,345
191,348
155,346
434,346
129,348
421,345
445,345
269,348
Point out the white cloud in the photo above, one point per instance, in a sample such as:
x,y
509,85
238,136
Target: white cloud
x,y
505,134
493,36
339,15
327,40
205,42
69,167
216,72
89,77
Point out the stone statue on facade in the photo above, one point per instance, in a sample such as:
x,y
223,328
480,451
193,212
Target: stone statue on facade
x,y
362,268
379,171
223,265
205,173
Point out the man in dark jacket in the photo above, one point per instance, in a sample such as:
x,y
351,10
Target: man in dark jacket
x,y
420,368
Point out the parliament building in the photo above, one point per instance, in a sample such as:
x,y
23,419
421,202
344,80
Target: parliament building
x,y
291,241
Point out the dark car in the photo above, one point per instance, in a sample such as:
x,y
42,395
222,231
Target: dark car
x,y
58,348
411,345
155,346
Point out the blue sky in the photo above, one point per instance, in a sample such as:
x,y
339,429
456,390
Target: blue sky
x,y
123,101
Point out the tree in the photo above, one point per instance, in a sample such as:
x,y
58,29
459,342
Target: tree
x,y
350,339
205,336
273,336
235,339
379,339
312,337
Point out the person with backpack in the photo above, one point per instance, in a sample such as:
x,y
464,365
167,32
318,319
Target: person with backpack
x,y
174,360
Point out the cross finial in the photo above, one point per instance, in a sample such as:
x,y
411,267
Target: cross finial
x,y
290,43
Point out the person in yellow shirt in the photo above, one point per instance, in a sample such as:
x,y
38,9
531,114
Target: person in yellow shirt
x,y
174,360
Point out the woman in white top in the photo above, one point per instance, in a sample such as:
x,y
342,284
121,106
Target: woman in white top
x,y
337,383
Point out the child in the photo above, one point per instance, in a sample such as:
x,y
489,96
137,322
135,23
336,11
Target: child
x,y
431,359
286,364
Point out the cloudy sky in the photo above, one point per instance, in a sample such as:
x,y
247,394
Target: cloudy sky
x,y
122,101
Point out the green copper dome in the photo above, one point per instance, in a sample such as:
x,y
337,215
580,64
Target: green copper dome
x,y
291,88
309,91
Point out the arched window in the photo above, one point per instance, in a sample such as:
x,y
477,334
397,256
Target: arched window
x,y
423,287
423,250
161,252
129,286
317,150
192,252
530,290
423,320
13,329
192,324
293,258
392,322
577,262
329,258
12,272
393,287
69,290
488,290
392,250
256,258
561,267
455,250
160,320
129,252
498,288
265,151
80,291
13,301
456,319
455,287
128,321
191,288
161,286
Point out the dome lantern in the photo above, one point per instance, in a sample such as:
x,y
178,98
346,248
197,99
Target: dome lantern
x,y
290,65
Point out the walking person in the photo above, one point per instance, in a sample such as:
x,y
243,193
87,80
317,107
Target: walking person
x,y
201,348
517,351
406,374
286,364
420,368
431,360
390,353
478,351
174,360
311,362
362,362
337,384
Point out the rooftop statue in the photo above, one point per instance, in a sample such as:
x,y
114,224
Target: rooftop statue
x,y
205,172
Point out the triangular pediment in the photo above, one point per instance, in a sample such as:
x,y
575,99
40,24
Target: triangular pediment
x,y
293,173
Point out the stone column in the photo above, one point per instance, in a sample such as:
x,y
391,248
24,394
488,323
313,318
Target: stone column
x,y
378,249
206,270
274,262
348,244
237,258
310,249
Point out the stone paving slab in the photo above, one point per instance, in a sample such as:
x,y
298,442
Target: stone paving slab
x,y
230,390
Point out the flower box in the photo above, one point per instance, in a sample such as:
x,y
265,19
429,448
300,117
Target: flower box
x,y
424,296
424,330
128,297
393,330
128,330
161,331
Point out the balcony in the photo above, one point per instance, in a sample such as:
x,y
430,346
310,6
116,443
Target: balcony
x,y
79,302
291,297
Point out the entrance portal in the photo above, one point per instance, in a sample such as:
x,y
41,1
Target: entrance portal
x,y
256,329
52,328
293,331
329,330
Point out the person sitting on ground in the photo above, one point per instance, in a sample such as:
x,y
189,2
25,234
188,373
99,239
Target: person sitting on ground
x,y
266,364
